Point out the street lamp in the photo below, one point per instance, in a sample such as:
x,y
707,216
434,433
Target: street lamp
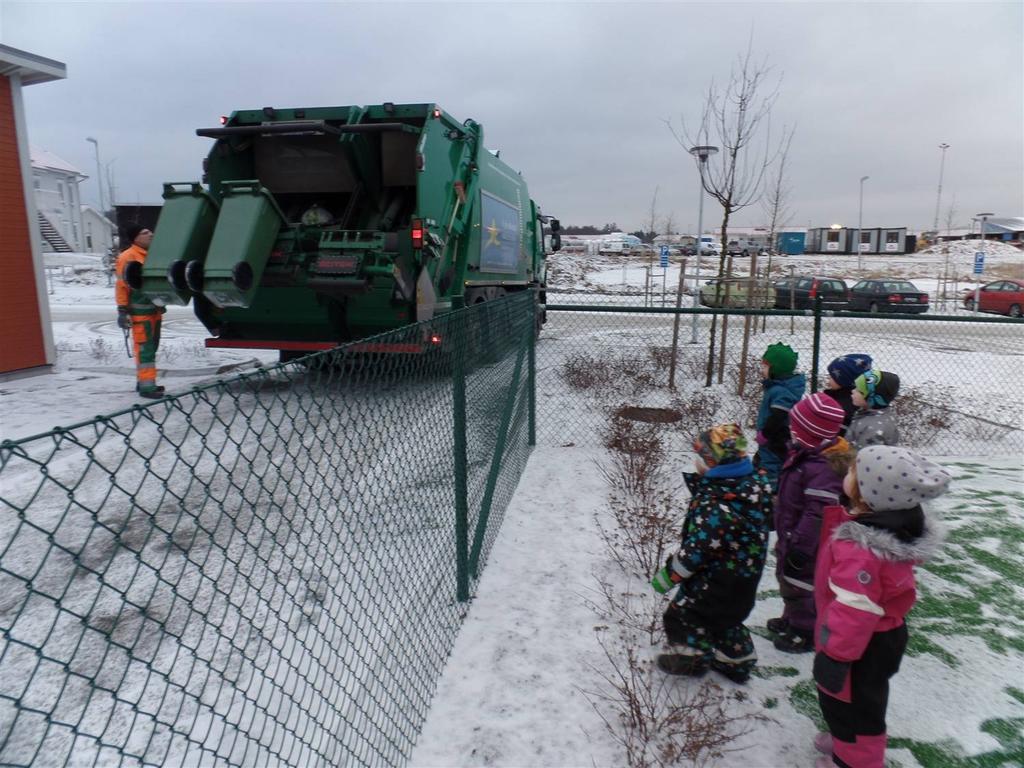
x,y
938,198
860,223
99,172
977,288
702,153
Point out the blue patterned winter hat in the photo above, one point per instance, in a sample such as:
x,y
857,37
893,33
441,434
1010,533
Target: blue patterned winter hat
x,y
845,370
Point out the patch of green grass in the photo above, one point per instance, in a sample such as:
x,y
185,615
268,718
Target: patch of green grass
x,y
948,754
804,698
767,672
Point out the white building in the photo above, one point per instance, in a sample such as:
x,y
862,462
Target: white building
x,y
58,203
98,232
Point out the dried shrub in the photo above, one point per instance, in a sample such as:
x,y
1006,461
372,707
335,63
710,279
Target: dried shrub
x,y
582,371
659,720
698,408
644,521
638,613
919,419
632,373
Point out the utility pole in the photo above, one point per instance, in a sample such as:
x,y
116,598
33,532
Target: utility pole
x,y
860,224
99,172
938,198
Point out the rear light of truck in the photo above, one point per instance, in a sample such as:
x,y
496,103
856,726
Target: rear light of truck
x,y
437,113
223,119
417,234
435,339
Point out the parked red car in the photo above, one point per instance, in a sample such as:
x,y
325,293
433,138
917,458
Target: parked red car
x,y
1004,297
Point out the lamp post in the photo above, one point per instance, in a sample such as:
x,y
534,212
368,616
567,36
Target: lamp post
x,y
702,153
938,197
977,288
99,172
860,224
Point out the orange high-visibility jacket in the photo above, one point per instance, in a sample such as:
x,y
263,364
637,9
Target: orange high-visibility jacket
x,y
136,303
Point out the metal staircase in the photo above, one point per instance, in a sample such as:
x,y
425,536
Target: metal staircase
x,y
50,234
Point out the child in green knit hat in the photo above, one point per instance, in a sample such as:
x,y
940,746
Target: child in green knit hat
x,y
783,388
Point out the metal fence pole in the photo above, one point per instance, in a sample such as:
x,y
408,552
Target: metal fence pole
x,y
459,322
816,349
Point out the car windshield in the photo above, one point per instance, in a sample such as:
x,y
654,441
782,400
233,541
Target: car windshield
x,y
900,285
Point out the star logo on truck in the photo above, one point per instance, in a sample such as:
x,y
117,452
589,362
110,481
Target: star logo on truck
x,y
494,231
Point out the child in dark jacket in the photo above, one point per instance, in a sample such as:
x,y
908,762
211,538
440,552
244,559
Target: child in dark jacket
x,y
874,423
782,389
842,373
811,479
718,567
864,587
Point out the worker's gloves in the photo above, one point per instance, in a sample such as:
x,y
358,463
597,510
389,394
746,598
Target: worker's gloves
x,y
667,577
123,319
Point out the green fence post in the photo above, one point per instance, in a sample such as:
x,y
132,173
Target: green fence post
x,y
497,459
459,321
816,349
531,384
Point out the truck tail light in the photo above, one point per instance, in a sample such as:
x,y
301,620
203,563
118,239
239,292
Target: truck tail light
x,y
435,339
437,113
223,119
417,234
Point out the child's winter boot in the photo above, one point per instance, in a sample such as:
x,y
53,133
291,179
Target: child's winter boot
x,y
680,664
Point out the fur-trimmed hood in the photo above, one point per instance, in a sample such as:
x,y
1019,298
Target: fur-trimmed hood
x,y
886,545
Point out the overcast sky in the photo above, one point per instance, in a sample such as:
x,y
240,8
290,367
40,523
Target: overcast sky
x,y
574,95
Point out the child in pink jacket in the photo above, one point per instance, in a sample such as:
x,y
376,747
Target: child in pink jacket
x,y
863,589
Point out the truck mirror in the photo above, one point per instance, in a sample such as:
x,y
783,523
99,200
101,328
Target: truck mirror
x,y
556,242
555,225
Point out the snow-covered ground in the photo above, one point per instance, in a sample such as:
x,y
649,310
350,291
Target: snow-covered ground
x,y
515,692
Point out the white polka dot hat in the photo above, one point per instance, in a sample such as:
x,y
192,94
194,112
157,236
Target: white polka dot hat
x,y
894,478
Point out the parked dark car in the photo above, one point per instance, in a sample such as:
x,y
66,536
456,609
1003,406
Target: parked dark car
x,y
1005,297
887,296
803,291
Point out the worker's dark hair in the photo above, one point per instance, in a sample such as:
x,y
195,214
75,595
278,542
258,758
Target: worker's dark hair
x,y
132,231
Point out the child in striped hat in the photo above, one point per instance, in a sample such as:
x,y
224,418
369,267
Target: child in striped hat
x,y
811,479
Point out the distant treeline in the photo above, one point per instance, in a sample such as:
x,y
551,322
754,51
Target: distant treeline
x,y
589,229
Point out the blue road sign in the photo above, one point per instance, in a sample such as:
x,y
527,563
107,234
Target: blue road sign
x,y
664,256
979,262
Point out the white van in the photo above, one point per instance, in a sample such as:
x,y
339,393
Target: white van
x,y
709,246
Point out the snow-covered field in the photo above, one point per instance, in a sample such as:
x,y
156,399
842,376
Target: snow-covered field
x,y
515,690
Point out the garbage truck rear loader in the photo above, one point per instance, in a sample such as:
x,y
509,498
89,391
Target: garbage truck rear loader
x,y
314,227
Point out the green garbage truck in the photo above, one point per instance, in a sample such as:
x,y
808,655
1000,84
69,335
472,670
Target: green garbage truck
x,y
317,226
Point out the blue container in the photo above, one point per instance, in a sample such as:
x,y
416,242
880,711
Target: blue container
x,y
791,243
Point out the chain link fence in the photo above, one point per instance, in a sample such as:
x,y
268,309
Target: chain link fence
x,y
958,374
268,570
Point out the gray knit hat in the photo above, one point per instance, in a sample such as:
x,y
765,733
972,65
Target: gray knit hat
x,y
894,478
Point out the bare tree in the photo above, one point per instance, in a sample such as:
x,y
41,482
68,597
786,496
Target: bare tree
x,y
736,119
777,194
668,224
650,225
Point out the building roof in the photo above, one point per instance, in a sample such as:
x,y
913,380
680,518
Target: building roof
x,y
105,220
29,67
41,158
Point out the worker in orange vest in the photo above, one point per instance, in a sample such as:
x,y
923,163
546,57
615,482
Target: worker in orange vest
x,y
136,312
